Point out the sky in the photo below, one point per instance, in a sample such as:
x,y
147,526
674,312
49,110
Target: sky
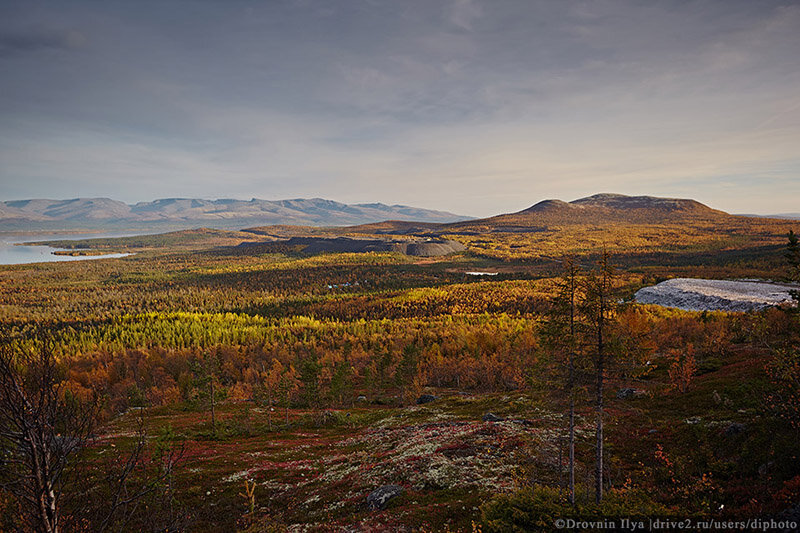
x,y
470,106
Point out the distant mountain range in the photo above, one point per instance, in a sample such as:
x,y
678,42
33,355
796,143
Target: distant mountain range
x,y
788,216
42,214
644,224
184,213
598,209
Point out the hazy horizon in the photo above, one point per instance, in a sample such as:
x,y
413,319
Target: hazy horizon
x,y
467,106
431,208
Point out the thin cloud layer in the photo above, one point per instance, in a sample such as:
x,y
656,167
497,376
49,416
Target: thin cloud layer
x,y
471,106
33,39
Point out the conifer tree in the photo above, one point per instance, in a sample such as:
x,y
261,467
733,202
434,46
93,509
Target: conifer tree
x,y
310,368
206,372
341,381
599,307
271,378
561,335
792,255
287,385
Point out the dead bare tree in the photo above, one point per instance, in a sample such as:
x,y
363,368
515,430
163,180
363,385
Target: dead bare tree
x,y
43,431
135,484
41,428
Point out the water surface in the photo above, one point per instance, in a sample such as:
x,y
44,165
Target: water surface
x,y
11,253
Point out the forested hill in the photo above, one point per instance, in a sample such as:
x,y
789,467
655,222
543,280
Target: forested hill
x,y
598,209
602,208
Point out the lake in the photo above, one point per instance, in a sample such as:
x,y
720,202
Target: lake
x,y
12,254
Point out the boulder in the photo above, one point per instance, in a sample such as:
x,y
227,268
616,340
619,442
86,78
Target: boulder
x,y
624,394
426,398
361,399
735,429
790,518
379,498
491,417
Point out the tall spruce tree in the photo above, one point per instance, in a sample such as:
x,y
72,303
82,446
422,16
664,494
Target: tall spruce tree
x,y
566,322
598,308
792,255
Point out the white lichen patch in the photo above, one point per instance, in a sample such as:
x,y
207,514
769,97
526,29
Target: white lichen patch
x,y
236,476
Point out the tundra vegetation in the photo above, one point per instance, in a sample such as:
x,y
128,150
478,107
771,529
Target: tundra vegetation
x,y
220,387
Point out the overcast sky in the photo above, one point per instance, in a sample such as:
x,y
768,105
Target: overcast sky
x,y
476,107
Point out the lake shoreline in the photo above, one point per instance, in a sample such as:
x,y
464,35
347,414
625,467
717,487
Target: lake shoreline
x,y
25,248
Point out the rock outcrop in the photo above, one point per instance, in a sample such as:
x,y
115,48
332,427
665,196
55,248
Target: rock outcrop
x,y
379,498
714,294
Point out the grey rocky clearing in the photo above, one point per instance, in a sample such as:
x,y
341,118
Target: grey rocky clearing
x,y
715,295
